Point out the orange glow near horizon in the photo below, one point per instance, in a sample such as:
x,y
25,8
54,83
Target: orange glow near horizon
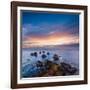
x,y
56,39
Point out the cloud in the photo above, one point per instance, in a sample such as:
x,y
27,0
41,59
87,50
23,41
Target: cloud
x,y
45,29
53,39
49,34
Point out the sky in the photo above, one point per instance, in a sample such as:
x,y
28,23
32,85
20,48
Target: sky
x,y
48,29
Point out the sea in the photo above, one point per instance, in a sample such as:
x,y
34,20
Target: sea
x,y
67,53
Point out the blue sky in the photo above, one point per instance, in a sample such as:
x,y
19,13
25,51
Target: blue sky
x,y
43,25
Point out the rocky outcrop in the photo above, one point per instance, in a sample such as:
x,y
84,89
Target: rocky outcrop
x,y
58,70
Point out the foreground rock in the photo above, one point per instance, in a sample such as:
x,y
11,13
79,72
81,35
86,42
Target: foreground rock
x,y
49,68
63,69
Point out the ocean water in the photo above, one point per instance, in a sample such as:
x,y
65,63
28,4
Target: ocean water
x,y
28,63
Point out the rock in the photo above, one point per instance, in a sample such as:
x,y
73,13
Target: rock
x,y
39,64
43,51
55,57
68,69
48,53
32,54
35,54
43,56
39,52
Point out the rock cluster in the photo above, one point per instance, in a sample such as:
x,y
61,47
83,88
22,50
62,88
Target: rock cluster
x,y
48,67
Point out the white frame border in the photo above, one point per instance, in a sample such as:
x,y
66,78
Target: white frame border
x,y
81,52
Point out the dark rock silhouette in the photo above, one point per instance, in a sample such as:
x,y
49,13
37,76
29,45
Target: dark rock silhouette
x,y
39,52
32,54
39,64
68,69
55,57
43,56
43,51
35,54
48,53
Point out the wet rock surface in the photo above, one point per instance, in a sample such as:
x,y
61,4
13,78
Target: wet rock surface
x,y
48,68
